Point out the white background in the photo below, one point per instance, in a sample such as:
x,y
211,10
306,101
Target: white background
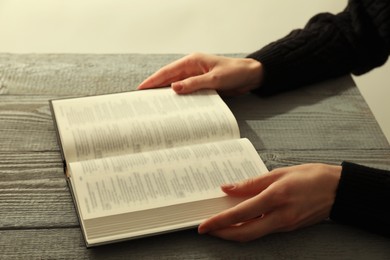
x,y
169,26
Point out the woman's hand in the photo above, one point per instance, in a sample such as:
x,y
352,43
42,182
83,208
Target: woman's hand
x,y
196,71
282,200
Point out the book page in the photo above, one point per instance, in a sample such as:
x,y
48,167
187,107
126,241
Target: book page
x,y
134,182
106,125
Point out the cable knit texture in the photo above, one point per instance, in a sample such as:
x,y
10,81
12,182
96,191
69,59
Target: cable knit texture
x,y
353,41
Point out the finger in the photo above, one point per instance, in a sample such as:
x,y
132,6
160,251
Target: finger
x,y
249,230
251,187
245,232
191,84
163,77
246,210
278,220
178,70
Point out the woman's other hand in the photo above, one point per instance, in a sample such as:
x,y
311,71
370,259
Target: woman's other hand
x,y
230,76
282,200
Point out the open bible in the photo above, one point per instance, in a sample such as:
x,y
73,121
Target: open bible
x,y
147,162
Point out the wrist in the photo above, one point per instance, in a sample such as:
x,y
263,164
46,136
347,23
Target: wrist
x,y
256,72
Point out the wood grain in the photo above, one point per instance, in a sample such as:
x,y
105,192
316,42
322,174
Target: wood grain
x,y
67,243
329,122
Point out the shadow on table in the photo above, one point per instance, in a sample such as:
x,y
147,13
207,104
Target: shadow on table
x,y
250,107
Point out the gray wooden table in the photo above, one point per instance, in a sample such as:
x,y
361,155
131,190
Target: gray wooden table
x,y
329,122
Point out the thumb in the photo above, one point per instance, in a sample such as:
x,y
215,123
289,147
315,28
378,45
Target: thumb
x,y
192,84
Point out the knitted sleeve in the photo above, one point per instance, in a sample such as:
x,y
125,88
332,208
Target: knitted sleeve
x,y
353,41
363,198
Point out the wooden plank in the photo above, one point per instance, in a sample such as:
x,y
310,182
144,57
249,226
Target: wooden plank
x,y
34,193
37,166
326,123
315,117
281,158
270,124
76,74
328,240
26,124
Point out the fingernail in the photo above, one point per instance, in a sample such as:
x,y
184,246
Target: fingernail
x,y
177,87
202,231
228,186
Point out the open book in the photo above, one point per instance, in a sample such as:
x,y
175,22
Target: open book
x,y
146,162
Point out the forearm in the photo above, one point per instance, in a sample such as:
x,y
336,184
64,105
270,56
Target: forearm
x,y
353,41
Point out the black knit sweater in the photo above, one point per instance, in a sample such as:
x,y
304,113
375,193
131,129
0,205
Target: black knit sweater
x,y
353,41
